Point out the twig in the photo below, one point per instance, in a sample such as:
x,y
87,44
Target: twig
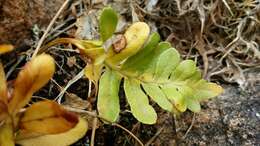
x,y
14,66
228,7
60,66
68,50
238,37
129,132
60,32
55,29
202,17
191,125
155,136
89,87
94,125
93,114
49,27
73,80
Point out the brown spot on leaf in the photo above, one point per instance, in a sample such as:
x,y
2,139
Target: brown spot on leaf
x,y
119,43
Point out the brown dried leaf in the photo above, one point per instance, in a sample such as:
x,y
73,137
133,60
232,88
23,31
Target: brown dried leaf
x,y
3,87
3,95
4,48
34,75
72,100
47,117
86,25
51,125
62,139
3,111
6,135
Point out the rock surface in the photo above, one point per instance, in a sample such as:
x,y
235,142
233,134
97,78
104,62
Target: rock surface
x,y
17,18
231,119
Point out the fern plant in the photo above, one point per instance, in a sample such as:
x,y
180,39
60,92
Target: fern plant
x,y
147,66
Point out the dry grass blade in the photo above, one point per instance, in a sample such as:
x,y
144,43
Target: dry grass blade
x,y
73,80
93,114
49,28
227,28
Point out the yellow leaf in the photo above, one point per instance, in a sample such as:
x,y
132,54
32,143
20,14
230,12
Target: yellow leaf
x,y
93,72
6,135
34,75
62,139
81,44
47,125
3,95
4,48
42,117
41,110
3,87
89,48
206,90
216,88
3,111
135,35
97,55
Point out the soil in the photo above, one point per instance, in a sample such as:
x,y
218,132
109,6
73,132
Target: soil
x,y
230,119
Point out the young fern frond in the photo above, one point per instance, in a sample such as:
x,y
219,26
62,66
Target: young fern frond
x,y
168,81
148,67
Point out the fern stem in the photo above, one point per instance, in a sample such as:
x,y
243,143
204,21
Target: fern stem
x,y
128,75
